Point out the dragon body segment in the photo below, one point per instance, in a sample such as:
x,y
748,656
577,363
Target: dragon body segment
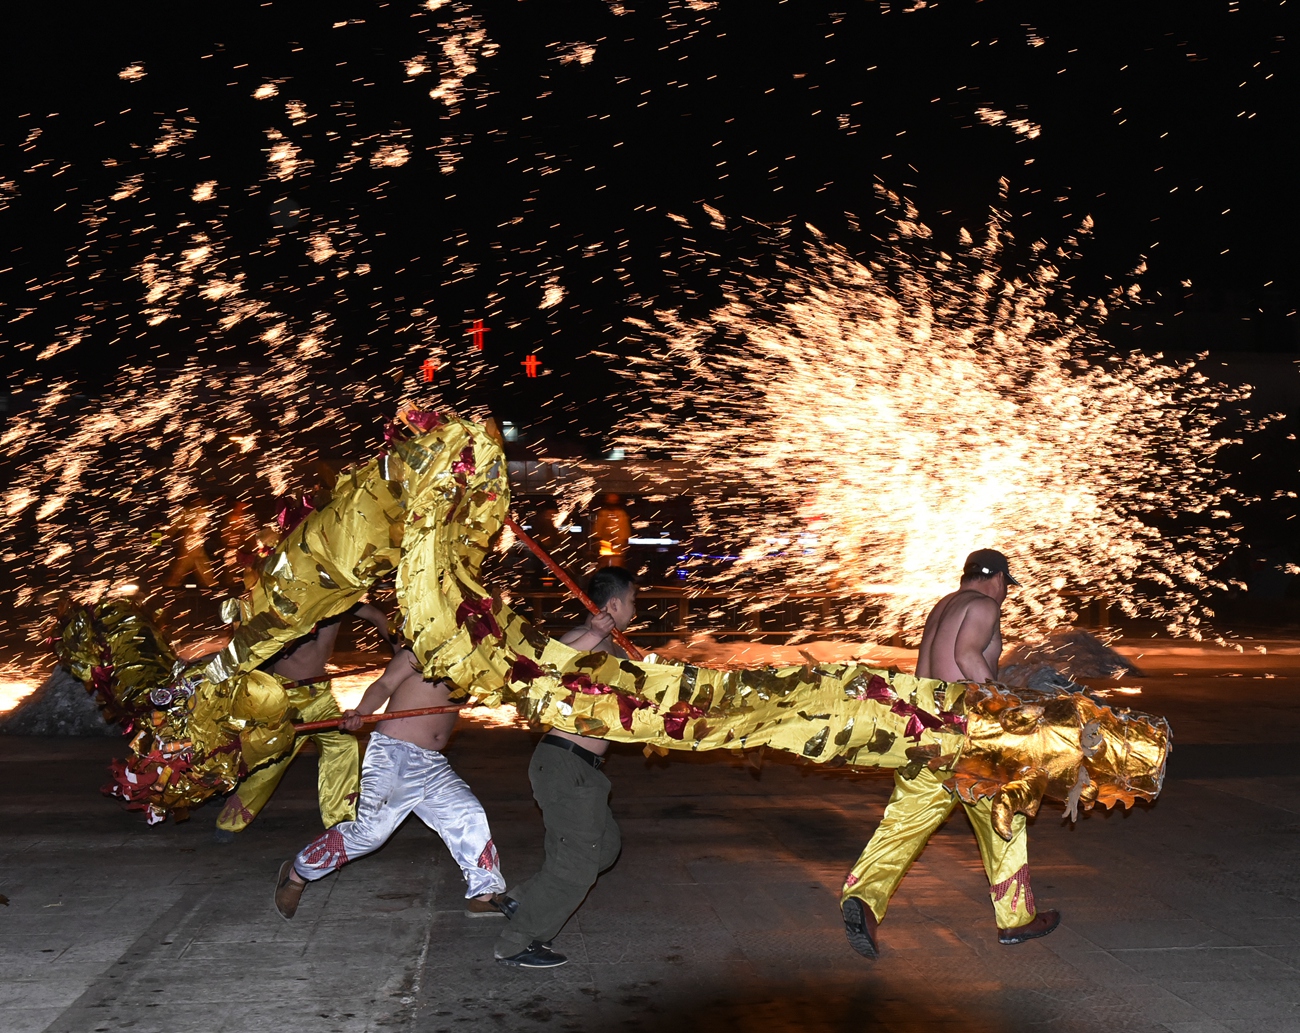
x,y
427,509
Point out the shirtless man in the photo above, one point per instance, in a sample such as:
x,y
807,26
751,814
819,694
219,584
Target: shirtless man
x,y
962,642
404,771
582,838
303,661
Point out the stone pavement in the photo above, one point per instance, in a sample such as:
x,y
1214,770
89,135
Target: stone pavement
x,y
721,914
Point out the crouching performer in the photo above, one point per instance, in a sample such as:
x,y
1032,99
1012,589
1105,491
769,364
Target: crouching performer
x,y
403,771
303,662
962,641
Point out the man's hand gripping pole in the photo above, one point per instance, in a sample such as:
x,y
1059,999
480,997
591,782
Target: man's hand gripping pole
x,y
370,719
558,571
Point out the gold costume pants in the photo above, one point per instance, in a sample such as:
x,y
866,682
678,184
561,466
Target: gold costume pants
x,y
338,781
919,806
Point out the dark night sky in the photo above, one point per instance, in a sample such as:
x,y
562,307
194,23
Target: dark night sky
x,y
1170,124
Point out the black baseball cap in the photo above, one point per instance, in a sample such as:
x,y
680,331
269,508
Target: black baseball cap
x,y
987,562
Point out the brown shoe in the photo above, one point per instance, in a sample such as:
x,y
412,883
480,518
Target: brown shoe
x,y
1040,925
860,927
287,892
475,908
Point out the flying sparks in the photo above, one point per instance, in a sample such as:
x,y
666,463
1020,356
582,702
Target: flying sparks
x,y
96,510
224,282
884,420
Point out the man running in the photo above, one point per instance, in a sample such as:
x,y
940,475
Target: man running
x,y
404,771
582,838
962,642
303,664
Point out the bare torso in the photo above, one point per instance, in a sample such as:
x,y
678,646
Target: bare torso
x,y
962,639
308,659
411,692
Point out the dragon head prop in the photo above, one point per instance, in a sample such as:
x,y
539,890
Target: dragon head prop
x,y
1024,744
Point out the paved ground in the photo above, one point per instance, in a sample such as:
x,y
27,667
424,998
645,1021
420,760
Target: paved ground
x,y
720,915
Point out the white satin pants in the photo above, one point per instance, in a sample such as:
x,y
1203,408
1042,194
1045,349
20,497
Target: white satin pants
x,y
398,778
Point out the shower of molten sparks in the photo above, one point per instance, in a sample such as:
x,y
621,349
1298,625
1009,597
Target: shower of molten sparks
x,y
95,489
882,421
16,684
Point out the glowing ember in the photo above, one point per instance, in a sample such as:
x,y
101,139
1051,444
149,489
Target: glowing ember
x,y
1022,126
575,53
884,421
390,156
16,685
553,293
464,45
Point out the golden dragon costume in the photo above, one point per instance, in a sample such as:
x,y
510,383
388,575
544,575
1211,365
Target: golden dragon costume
x,y
428,508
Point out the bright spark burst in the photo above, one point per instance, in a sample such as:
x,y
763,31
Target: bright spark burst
x,y
553,293
1021,126
283,156
390,156
885,420
575,53
464,44
16,684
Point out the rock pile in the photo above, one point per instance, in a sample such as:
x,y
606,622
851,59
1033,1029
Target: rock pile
x,y
61,706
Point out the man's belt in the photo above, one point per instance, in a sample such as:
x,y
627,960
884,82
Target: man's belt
x,y
594,759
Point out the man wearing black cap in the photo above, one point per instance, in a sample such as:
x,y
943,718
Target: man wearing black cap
x,y
963,634
962,642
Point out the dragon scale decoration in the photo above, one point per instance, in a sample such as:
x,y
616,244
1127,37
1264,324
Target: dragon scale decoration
x,y
427,510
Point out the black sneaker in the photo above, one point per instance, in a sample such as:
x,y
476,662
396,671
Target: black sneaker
x,y
508,906
535,956
860,927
